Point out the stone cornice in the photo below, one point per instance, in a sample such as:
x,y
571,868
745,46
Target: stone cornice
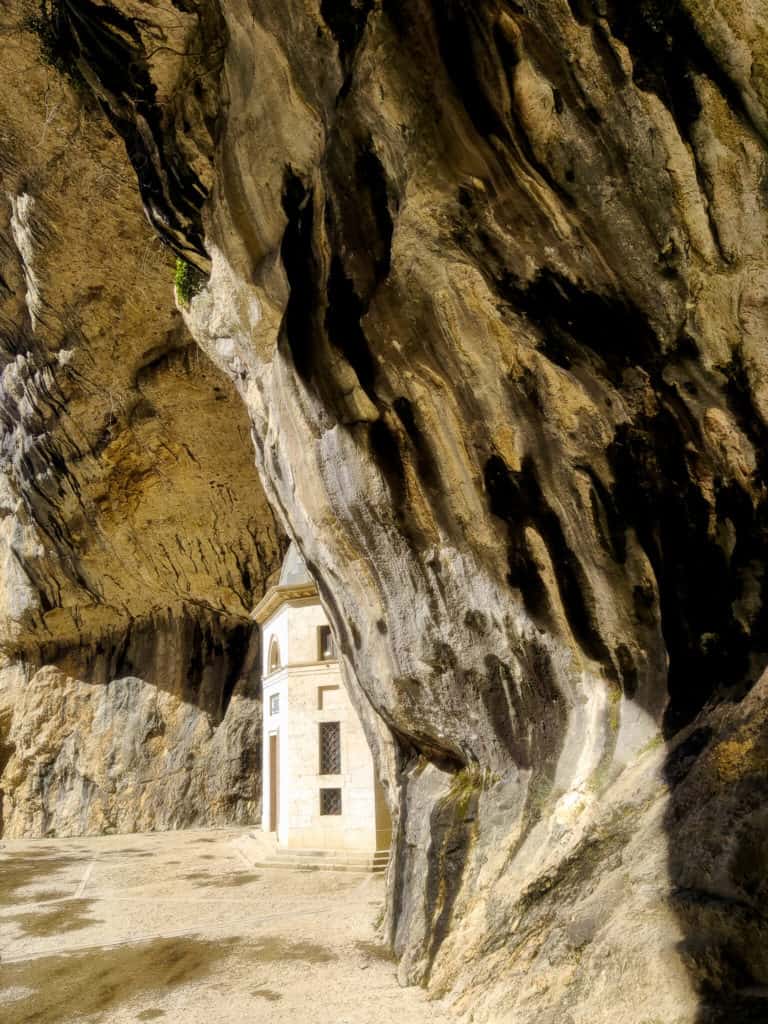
x,y
315,669
277,596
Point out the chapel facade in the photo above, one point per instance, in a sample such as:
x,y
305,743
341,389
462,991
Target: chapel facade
x,y
320,790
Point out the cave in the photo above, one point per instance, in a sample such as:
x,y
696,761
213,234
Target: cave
x,y
466,301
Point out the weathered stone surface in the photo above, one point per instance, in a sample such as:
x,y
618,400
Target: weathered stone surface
x,y
134,532
490,279
159,729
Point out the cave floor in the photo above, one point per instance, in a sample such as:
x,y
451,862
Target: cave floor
x,y
176,927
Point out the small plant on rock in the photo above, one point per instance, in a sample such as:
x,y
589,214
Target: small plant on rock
x,y
188,280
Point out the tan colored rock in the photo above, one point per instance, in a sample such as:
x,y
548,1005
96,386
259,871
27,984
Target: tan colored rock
x,y
162,730
129,504
489,279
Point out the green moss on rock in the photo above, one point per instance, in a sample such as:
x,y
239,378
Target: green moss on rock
x,y
188,281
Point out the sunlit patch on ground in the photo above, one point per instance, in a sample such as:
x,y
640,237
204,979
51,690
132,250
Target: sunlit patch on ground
x,y
120,929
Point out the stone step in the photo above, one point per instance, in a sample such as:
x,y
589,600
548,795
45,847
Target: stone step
x,y
339,855
324,860
302,864
262,851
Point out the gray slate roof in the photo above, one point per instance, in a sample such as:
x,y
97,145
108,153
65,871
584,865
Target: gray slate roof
x,y
293,571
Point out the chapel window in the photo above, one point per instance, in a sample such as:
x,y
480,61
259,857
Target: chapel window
x,y
325,644
330,748
330,801
274,655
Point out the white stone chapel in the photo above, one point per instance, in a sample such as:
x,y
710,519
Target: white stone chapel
x,y
320,790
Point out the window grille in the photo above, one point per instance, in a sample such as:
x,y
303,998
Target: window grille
x,y
330,748
330,801
274,703
325,644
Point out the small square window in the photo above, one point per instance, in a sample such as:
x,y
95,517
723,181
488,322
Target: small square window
x,y
330,748
325,645
274,703
330,801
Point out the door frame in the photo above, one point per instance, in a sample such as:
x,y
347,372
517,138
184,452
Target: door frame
x,y
274,781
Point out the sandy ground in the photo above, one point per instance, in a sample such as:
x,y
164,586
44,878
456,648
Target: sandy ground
x,y
178,928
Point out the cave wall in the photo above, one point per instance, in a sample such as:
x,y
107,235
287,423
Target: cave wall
x,y
489,279
135,536
155,728
498,318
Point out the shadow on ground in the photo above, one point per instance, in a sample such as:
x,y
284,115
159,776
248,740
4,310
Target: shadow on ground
x,y
88,984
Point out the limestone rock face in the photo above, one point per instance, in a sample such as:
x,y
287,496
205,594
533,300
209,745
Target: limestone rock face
x,y
159,730
490,280
134,533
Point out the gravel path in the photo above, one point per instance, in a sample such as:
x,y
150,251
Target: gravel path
x,y
178,928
